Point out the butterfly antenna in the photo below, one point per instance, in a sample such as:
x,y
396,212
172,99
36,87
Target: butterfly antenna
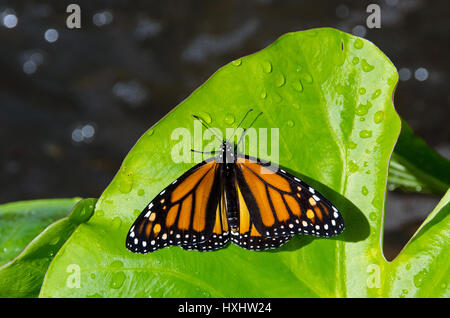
x,y
239,125
245,130
207,128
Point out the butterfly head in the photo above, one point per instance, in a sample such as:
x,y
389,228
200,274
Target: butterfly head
x,y
228,152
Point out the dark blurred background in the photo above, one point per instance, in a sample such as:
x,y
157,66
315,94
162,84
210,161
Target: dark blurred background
x,y
74,101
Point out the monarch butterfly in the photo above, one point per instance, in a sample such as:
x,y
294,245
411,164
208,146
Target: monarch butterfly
x,y
232,197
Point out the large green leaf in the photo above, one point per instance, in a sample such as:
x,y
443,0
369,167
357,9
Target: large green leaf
x,y
23,276
21,221
330,95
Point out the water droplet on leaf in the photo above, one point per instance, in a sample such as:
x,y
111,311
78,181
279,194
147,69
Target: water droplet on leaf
x,y
352,166
351,145
281,80
362,109
307,78
366,66
376,93
267,67
404,293
117,280
378,117
364,190
263,94
277,98
297,85
365,133
358,44
229,119
418,279
237,62
205,116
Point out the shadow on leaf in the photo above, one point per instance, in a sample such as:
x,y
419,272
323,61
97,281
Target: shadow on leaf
x,y
357,227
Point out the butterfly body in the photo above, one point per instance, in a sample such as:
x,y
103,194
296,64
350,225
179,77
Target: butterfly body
x,y
232,197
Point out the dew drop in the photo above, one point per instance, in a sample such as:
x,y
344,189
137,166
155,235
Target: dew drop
x,y
408,266
362,91
362,109
263,94
404,293
92,275
206,117
281,80
116,264
229,119
378,117
351,145
299,68
365,133
126,185
141,192
277,98
150,132
237,62
352,166
297,85
418,279
366,66
99,213
307,78
267,67
290,123
355,60
373,216
362,119
117,280
54,241
296,106
376,93
358,44
364,190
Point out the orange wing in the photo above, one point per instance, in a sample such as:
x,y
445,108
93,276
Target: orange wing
x,y
183,214
281,204
248,236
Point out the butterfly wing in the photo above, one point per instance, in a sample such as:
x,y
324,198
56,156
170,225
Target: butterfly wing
x,y
248,236
183,214
281,204
220,234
